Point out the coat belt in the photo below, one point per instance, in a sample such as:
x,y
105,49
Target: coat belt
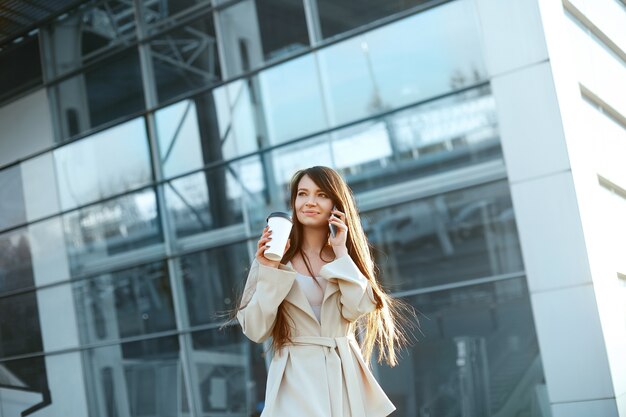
x,y
344,366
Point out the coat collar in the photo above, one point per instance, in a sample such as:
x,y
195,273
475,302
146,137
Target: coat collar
x,y
297,298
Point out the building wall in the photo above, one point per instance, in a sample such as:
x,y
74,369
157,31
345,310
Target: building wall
x,y
555,157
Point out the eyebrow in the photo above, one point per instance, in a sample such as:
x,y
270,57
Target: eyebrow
x,y
319,190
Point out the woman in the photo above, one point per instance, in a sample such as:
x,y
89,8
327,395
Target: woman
x,y
312,302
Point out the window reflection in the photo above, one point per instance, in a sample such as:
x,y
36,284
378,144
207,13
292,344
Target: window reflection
x,y
340,16
97,233
212,279
407,61
286,160
23,383
195,132
447,238
256,31
179,138
185,58
158,15
478,355
352,80
204,201
87,33
260,191
240,117
105,164
292,100
136,378
231,372
456,131
108,91
16,269
15,79
22,333
12,208
123,304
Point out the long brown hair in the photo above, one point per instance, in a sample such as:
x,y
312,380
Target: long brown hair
x,y
381,327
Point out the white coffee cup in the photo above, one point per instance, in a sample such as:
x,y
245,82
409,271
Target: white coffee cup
x,y
280,224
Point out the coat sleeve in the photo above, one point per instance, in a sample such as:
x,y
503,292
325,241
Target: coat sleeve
x,y
265,289
357,297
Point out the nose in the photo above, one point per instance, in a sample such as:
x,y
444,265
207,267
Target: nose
x,y
311,201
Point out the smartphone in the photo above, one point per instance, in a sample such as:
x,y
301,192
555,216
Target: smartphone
x,y
333,228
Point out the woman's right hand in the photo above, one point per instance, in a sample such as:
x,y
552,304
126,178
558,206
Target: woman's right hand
x,y
262,247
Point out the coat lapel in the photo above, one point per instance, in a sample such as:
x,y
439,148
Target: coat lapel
x,y
296,297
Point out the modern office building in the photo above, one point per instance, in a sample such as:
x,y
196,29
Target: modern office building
x,y
143,143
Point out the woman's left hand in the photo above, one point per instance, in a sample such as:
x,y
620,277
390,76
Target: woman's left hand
x,y
339,241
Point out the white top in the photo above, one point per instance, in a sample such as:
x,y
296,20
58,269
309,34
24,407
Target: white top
x,y
313,292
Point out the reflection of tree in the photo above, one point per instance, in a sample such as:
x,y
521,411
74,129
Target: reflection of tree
x,y
460,80
20,330
15,262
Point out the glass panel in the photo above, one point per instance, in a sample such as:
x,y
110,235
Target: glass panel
x,y
253,32
108,91
87,33
194,132
280,104
456,131
239,115
386,68
23,383
105,164
478,357
12,209
123,304
143,378
231,372
269,190
20,331
340,16
97,233
286,160
159,15
16,270
185,58
451,237
179,138
14,77
260,193
204,201
291,99
49,256
212,281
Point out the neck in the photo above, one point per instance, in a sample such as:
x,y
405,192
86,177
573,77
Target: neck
x,y
314,240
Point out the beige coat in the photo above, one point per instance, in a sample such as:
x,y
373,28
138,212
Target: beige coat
x,y
322,374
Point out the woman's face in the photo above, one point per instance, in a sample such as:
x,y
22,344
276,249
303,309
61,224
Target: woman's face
x,y
313,206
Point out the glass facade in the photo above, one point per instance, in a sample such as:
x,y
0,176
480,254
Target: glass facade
x,y
178,126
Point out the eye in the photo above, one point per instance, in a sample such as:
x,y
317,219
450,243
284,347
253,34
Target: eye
x,y
301,193
323,195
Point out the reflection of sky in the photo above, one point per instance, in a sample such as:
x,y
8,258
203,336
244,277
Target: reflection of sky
x,y
302,155
451,120
12,210
372,144
411,59
186,153
291,99
107,163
